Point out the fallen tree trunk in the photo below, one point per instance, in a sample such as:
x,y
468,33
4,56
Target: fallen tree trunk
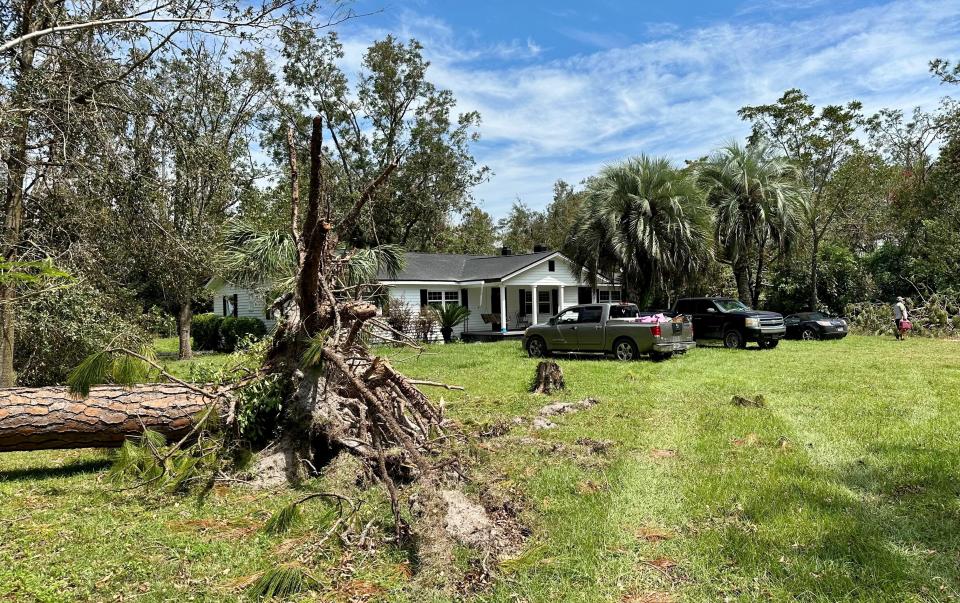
x,y
48,417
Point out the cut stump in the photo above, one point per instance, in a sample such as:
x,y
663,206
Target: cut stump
x,y
549,378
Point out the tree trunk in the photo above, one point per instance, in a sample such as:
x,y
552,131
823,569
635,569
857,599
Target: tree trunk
x,y
758,279
742,278
184,317
814,274
40,418
16,162
549,378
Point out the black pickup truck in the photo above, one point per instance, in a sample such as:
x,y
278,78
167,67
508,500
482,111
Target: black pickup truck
x,y
732,322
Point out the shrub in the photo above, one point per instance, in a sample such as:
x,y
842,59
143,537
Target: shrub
x,y
233,331
216,333
205,330
426,323
55,331
398,315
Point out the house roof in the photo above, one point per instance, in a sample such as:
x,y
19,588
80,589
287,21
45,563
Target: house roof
x,y
458,267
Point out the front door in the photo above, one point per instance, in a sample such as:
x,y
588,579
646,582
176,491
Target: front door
x,y
590,332
495,307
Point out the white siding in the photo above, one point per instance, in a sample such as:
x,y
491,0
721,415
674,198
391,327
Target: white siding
x,y
410,295
249,303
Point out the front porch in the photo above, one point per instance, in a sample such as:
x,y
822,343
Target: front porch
x,y
504,311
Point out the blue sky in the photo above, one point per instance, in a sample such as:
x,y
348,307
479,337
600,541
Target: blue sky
x,y
565,87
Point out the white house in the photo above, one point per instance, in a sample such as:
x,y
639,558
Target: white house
x,y
231,300
505,293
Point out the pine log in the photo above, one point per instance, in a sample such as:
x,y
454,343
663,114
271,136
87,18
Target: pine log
x,y
49,417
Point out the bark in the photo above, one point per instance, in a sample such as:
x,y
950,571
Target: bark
x,y
16,162
742,278
549,378
184,318
814,274
48,417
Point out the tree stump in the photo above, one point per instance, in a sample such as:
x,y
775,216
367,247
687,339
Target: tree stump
x,y
549,378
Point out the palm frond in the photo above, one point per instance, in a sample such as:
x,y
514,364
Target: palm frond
x,y
257,258
364,266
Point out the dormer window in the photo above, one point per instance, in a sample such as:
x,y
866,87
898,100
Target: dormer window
x,y
551,266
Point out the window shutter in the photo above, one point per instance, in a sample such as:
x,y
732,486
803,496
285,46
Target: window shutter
x,y
423,297
224,300
523,301
555,301
463,298
236,305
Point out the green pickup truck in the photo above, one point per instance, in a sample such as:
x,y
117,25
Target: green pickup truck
x,y
618,329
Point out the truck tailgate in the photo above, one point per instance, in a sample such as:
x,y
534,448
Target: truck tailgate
x,y
678,331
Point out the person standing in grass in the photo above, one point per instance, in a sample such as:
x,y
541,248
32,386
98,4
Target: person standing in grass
x,y
899,315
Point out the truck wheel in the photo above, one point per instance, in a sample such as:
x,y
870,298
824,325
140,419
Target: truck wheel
x,y
624,349
537,347
768,344
733,340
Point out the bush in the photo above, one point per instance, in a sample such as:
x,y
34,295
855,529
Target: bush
x,y
205,330
219,334
57,330
233,331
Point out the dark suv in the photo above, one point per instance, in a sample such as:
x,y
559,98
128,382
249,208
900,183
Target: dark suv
x,y
732,322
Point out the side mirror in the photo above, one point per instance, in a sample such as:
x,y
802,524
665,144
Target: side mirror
x,y
552,322
711,310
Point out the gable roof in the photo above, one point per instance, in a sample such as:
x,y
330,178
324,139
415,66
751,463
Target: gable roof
x,y
458,267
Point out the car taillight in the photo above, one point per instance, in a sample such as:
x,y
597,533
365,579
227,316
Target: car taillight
x,y
655,330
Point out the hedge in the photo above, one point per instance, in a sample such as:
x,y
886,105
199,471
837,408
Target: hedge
x,y
223,334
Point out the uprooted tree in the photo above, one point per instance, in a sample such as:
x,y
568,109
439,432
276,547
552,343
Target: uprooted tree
x,y
338,398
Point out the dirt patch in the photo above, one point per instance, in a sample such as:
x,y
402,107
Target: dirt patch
x,y
663,453
650,534
757,402
566,408
751,439
649,597
540,423
595,446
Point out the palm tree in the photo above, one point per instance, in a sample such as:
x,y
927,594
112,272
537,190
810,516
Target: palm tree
x,y
646,220
758,201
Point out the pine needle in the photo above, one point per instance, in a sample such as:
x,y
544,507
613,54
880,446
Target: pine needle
x,y
90,372
282,581
283,520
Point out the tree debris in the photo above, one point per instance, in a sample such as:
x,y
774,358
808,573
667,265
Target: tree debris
x,y
757,402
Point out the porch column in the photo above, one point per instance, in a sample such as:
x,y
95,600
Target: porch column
x,y
533,294
560,299
503,308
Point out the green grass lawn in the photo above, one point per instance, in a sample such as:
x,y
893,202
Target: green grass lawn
x,y
843,487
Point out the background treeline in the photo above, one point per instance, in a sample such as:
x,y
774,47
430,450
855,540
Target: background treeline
x,y
138,143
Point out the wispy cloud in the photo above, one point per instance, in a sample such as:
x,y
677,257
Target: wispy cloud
x,y
677,93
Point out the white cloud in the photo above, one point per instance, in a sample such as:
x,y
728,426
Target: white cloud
x,y
676,95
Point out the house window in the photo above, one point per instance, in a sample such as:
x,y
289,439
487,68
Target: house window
x,y
527,302
604,296
551,266
543,303
438,299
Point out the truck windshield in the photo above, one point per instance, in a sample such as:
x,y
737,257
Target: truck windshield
x,y
624,311
731,305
